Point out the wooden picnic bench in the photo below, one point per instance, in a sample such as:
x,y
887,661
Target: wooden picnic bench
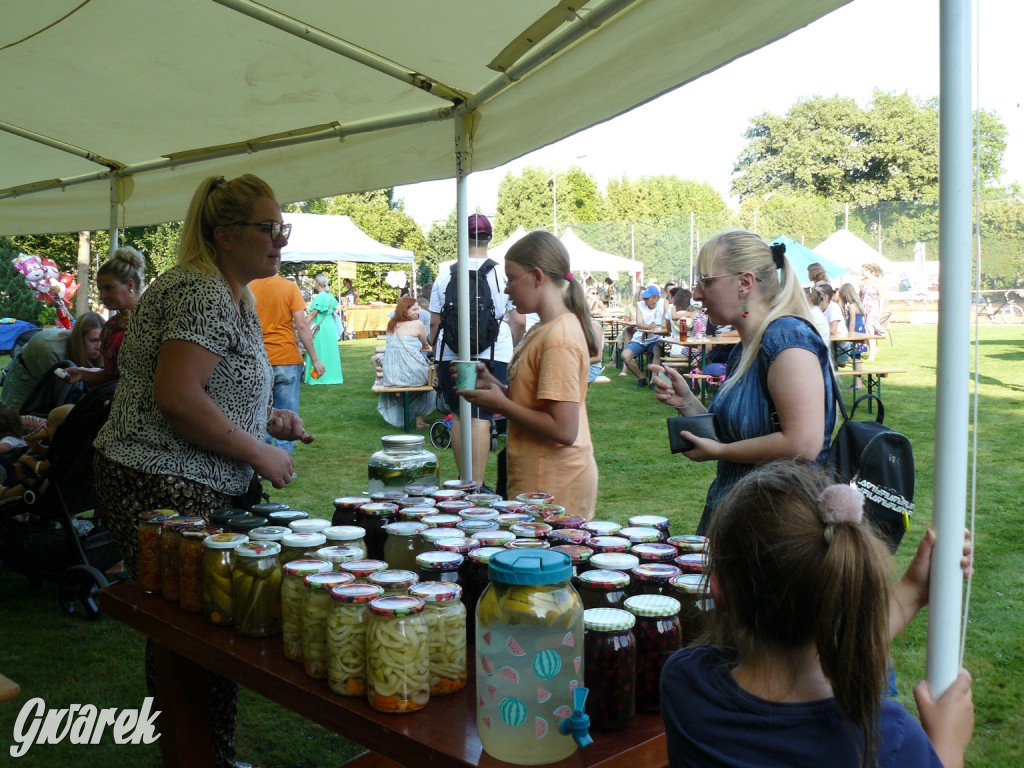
x,y
873,376
405,393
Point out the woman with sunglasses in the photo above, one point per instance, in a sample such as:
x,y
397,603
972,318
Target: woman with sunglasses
x,y
187,422
777,400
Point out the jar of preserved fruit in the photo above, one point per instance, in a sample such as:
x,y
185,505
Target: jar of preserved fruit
x,y
346,637
654,552
336,556
658,522
609,646
692,592
603,589
148,552
218,562
469,527
580,556
568,536
466,486
374,518
309,525
190,568
658,635
473,583
346,509
266,508
415,501
478,513
441,520
447,494
421,489
693,562
482,499
244,523
542,512
507,519
269,533
439,566
314,620
689,544
170,541
565,521
220,517
493,538
538,497
346,536
415,514
388,497
256,589
397,655
402,460
609,544
361,569
518,543
394,581
508,507
636,535
614,561
453,506
300,546
402,545
601,528
446,634
653,578
293,603
532,530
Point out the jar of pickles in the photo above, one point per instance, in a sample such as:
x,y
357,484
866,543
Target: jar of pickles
x,y
653,578
362,569
402,544
346,637
245,523
394,582
346,509
148,552
314,619
218,562
170,540
659,522
446,633
300,546
190,568
269,533
658,636
692,592
374,518
439,566
337,556
603,589
309,525
256,589
609,646
402,460
397,655
346,536
293,603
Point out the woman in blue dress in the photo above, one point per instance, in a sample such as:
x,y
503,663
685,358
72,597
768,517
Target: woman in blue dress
x,y
325,337
777,400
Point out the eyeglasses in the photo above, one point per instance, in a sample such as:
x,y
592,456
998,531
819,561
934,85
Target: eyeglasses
x,y
510,280
703,281
275,229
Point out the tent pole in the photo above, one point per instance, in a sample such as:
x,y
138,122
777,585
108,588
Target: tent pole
x,y
463,165
951,386
115,201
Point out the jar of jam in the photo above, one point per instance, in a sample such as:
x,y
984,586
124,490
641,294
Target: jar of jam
x,y
538,497
314,619
415,501
603,589
388,497
421,489
430,537
439,566
693,562
691,590
300,546
402,460
601,527
580,556
482,499
507,519
453,506
293,602
346,509
658,522
415,514
478,513
654,552
346,637
269,533
397,655
361,569
346,536
374,518
508,507
493,538
309,525
220,517
518,543
609,544
245,523
473,583
190,568
218,562
446,633
440,520
447,494
148,552
469,527
568,536
565,521
543,511
609,646
653,578
402,545
284,517
658,635
614,561
394,582
689,544
338,555
170,541
256,589
466,486
533,530
636,535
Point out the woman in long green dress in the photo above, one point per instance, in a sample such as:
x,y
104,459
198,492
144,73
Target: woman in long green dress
x,y
325,338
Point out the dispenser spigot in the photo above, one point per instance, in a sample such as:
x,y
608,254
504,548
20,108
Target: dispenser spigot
x,y
577,724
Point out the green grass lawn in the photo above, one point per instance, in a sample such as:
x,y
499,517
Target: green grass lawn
x,y
66,661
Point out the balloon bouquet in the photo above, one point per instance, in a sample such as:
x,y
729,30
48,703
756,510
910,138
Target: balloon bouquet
x,y
51,287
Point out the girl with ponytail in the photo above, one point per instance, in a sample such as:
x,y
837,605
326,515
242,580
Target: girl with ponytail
x,y
792,667
549,446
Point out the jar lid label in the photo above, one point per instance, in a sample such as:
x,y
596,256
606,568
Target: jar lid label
x,y
436,591
614,561
302,567
225,540
604,579
652,605
356,593
258,549
328,579
655,571
396,605
608,619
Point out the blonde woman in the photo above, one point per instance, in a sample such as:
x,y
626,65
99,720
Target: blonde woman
x,y
325,336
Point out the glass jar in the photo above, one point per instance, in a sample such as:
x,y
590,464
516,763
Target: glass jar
x,y
658,635
469,527
609,646
402,545
609,544
430,537
568,536
518,543
266,508
637,535
314,620
415,514
614,561
447,494
269,533
580,556
425,490
508,507
507,519
374,518
692,562
220,517
654,552
394,582
689,544
653,578
466,486
244,523
388,497
256,589
439,566
493,538
346,637
478,513
533,530
474,581
402,460
446,634
293,603
693,594
397,655
441,520
542,512
300,546
346,509
285,517
361,569
148,552
415,501
346,536
529,656
603,589
309,525
601,527
170,541
536,498
658,522
461,546
190,568
336,556
482,499
452,506
218,562
565,521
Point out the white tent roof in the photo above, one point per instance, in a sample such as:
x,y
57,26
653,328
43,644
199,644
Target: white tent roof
x,y
321,98
845,248
319,238
583,256
497,252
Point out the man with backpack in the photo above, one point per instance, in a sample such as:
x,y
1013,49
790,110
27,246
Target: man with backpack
x,y
494,323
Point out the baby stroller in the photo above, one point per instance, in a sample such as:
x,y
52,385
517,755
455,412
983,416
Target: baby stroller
x,y
44,533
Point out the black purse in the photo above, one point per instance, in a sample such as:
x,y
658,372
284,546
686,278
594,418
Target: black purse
x,y
702,425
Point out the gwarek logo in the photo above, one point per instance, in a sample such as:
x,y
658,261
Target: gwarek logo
x,y
82,724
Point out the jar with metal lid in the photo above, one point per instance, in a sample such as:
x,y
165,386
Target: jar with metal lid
x,y
394,581
346,637
603,589
532,530
565,521
609,544
542,512
580,556
693,562
447,494
659,522
338,555
283,517
474,580
568,536
300,546
402,460
493,538
614,561
218,561
478,513
469,527
346,509
415,514
686,544
170,541
658,635
441,520
601,527
269,533
421,489
609,646
148,551
508,507
256,589
220,517
529,656
430,537
402,545
446,634
466,486
374,518
462,547
314,620
397,655
507,519
361,569
264,508
309,525
245,523
482,499
518,543
190,568
439,566
453,506
388,497
694,596
415,501
653,578
636,535
538,497
293,602
654,552
346,536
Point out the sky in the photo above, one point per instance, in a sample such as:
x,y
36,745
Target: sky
x,y
696,131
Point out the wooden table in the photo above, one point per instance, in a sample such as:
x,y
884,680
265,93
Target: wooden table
x,y
366,320
854,338
703,345
442,735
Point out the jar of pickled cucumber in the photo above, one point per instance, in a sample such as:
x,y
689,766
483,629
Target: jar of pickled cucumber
x,y
609,646
346,637
394,582
190,568
640,535
529,656
362,569
653,578
402,460
603,589
658,635
244,523
374,518
148,552
397,655
609,544
601,528
346,509
293,602
314,619
256,589
170,541
658,522
346,536
218,561
301,546
402,544
336,556
654,552
309,525
446,634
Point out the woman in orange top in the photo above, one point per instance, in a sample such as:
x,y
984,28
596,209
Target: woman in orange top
x,y
549,446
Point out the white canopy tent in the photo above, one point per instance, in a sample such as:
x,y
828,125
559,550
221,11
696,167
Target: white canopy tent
x,y
583,256
318,238
846,249
497,252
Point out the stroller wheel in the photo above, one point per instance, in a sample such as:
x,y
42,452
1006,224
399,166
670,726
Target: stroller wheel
x,y
440,435
78,592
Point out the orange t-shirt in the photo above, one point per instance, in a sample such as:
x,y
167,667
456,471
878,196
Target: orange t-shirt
x,y
276,299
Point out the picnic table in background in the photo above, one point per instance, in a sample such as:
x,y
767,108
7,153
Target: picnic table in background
x,y
367,320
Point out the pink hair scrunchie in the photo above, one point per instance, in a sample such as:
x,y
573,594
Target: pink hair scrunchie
x,y
841,504
568,275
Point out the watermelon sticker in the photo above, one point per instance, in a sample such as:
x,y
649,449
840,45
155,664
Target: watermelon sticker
x,y
480,701
515,648
573,685
487,637
512,711
491,690
542,695
562,711
486,665
487,722
569,640
577,663
510,673
547,664
540,727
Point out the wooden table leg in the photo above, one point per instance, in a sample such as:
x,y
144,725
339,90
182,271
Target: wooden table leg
x,y
186,738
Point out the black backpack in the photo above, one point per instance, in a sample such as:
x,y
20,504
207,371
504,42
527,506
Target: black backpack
x,y
483,325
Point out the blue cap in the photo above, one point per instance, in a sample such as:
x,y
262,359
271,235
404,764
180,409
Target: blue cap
x,y
529,566
650,290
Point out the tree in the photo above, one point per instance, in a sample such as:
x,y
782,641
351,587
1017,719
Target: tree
x,y
523,201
